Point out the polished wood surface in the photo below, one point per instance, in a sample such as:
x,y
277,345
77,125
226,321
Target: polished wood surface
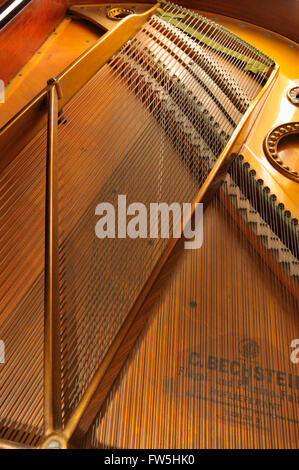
x,y
24,34
61,48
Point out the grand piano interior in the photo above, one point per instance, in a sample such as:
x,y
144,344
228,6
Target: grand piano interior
x,y
123,342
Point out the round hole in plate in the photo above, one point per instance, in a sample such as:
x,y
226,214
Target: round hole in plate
x,y
293,95
288,151
281,146
118,13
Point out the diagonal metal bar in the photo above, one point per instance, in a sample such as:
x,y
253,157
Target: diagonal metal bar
x,y
52,367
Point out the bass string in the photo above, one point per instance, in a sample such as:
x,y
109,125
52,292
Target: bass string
x,y
22,297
